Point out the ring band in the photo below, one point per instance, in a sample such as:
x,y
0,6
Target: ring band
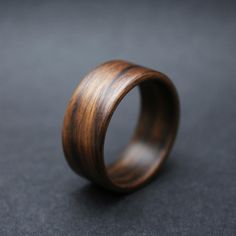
x,y
90,110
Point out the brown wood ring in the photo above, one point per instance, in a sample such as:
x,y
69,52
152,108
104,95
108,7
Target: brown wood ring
x,y
88,115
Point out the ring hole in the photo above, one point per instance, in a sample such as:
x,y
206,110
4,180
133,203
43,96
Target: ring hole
x,y
132,162
122,126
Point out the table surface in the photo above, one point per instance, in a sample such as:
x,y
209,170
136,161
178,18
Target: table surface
x,y
46,47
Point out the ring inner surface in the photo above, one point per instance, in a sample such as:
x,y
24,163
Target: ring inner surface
x,y
152,137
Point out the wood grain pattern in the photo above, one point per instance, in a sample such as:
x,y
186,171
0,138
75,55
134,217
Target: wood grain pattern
x,y
89,112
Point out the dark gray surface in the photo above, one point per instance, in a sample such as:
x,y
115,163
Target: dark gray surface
x,y
47,47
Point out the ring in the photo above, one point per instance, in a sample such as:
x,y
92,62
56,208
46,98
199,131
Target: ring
x,y
90,110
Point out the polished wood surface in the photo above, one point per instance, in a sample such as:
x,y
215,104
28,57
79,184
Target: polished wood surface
x,y
90,110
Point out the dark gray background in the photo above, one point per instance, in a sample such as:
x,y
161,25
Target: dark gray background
x,y
47,47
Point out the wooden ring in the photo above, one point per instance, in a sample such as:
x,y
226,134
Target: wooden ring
x,y
90,110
